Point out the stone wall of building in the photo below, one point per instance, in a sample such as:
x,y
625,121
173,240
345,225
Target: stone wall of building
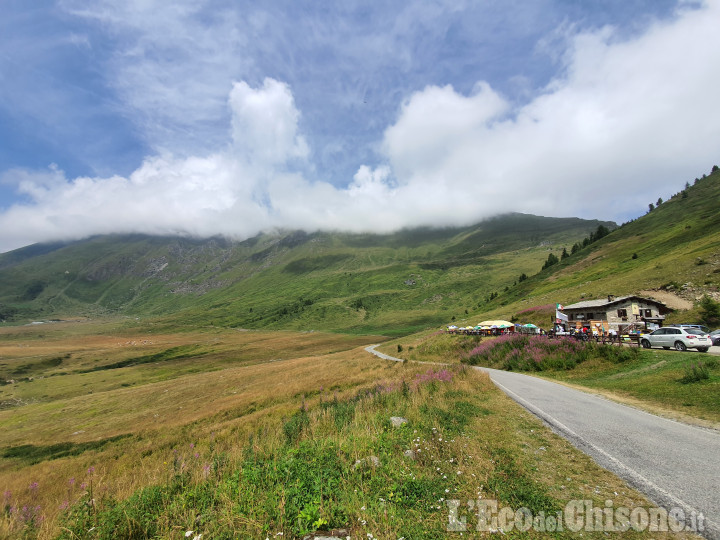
x,y
613,313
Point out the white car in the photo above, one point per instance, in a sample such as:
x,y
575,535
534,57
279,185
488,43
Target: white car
x,y
678,338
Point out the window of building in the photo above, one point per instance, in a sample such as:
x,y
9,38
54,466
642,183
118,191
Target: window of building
x,y
622,313
588,316
648,312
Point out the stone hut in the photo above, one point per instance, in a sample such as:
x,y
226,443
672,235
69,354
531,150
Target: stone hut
x,y
622,313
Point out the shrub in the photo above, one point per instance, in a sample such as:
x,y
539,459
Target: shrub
x,y
695,373
538,353
617,355
551,260
342,412
294,427
710,311
528,353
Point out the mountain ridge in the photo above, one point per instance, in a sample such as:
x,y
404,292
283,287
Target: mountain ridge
x,y
391,284
134,274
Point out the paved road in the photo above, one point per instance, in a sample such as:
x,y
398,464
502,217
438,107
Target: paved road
x,y
715,349
674,464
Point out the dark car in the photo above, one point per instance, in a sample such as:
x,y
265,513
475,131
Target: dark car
x,y
715,336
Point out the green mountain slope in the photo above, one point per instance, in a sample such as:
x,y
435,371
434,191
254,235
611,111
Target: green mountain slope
x,y
351,282
674,247
364,283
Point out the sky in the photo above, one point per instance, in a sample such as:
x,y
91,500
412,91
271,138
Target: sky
x,y
225,117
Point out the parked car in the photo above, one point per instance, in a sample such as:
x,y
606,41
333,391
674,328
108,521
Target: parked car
x,y
678,338
715,336
695,326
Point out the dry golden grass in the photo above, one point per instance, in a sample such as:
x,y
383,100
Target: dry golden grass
x,y
240,394
81,352
228,403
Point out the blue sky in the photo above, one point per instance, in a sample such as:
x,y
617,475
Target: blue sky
x,y
224,117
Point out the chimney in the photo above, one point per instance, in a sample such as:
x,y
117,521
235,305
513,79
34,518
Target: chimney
x,y
611,297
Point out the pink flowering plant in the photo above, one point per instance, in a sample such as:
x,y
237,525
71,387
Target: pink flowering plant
x,y
547,308
518,352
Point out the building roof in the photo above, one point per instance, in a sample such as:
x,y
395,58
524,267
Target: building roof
x,y
604,302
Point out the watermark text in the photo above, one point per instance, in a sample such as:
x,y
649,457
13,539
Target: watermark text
x,y
578,515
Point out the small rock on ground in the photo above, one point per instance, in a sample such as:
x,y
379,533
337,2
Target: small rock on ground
x,y
397,421
370,461
339,534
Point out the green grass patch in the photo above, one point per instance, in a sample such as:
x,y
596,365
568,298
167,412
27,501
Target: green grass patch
x,y
513,484
174,353
687,382
30,454
32,368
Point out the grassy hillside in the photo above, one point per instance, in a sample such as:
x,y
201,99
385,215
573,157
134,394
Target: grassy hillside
x,y
674,248
359,283
111,433
362,283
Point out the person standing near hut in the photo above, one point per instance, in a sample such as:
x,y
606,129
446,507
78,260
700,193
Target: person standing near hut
x,y
611,334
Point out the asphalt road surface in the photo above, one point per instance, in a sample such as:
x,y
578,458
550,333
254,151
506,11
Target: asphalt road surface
x,y
676,465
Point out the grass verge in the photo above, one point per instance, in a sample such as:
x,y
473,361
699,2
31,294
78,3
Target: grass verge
x,y
666,382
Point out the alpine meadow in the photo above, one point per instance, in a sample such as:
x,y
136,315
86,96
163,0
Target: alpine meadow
x,y
359,270
163,387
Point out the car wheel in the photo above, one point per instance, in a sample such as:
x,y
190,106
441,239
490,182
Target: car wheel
x,y
702,349
680,346
645,343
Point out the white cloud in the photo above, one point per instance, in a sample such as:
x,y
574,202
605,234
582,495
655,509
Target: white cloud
x,y
436,123
627,121
265,123
170,64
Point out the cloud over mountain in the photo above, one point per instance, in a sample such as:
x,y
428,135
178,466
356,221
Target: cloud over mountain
x,y
625,119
